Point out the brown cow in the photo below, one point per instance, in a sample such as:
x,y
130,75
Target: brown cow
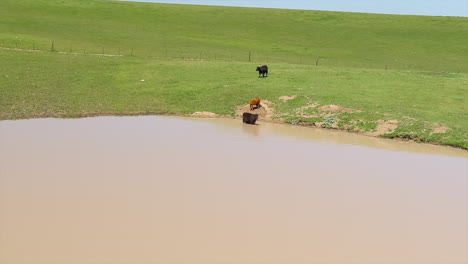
x,y
249,118
254,103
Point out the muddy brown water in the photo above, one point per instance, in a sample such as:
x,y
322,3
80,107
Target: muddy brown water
x,y
215,191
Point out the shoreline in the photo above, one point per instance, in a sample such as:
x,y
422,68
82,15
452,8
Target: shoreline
x,y
210,115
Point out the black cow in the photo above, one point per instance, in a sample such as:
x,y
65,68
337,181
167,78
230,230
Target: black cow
x,y
249,118
262,70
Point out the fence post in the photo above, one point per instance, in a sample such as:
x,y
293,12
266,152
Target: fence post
x,y
316,62
52,47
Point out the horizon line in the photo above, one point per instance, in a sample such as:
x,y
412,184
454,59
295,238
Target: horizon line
x,y
288,8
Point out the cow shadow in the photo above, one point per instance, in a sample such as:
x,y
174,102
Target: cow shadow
x,y
256,107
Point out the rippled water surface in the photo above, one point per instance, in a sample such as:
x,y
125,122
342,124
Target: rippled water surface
x,y
172,190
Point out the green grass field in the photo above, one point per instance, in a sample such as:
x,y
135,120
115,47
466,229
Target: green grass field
x,y
293,36
425,86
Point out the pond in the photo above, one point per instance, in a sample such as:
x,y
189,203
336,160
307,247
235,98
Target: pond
x,y
154,189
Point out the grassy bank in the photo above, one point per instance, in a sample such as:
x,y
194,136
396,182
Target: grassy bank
x,y
180,59
350,40
63,85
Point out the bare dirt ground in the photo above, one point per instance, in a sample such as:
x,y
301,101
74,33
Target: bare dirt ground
x,y
285,98
383,127
439,129
204,114
265,111
337,108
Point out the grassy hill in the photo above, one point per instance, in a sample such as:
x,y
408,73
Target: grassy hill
x,y
424,89
293,36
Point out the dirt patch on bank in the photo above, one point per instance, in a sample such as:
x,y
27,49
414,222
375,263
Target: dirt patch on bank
x,y
301,111
265,112
384,127
337,108
439,129
309,106
204,114
285,98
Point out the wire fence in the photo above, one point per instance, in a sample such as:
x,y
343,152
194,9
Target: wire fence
x,y
254,56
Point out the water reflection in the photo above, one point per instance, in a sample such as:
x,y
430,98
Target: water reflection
x,y
253,130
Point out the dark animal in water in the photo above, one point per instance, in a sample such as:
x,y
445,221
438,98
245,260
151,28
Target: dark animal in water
x,y
262,70
249,118
254,103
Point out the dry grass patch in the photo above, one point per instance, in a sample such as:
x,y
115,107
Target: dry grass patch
x,y
285,98
204,114
337,108
439,129
384,127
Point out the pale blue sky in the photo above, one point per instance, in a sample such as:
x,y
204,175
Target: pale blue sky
x,y
405,7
